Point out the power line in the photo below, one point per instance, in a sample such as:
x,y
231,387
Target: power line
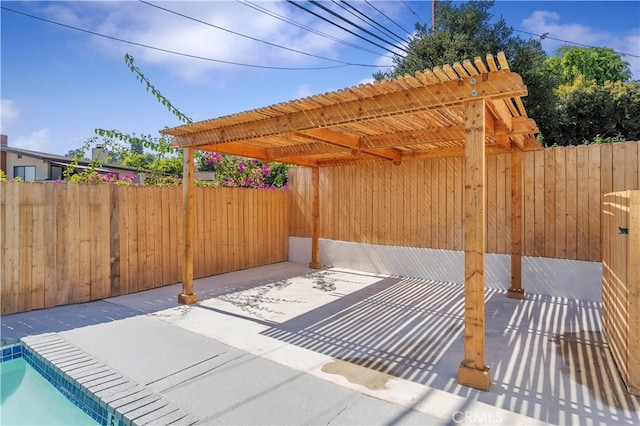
x,y
146,46
546,35
306,28
341,27
326,9
382,13
364,18
413,11
254,38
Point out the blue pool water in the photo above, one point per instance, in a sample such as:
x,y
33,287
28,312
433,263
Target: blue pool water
x,y
29,399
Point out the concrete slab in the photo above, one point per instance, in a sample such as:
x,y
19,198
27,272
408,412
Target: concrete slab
x,y
343,347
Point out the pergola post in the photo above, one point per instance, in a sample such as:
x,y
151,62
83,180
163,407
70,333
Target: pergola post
x,y
187,296
516,291
315,216
472,371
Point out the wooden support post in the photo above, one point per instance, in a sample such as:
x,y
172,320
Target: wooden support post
x,y
472,371
315,216
516,291
187,297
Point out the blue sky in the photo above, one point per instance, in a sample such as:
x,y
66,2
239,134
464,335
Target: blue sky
x,y
59,84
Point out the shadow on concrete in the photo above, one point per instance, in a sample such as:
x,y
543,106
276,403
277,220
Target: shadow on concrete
x,y
547,357
69,317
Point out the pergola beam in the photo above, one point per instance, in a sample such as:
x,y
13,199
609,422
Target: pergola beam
x,y
332,137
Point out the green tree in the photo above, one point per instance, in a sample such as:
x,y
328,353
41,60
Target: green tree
x,y
461,32
600,64
594,99
76,152
588,112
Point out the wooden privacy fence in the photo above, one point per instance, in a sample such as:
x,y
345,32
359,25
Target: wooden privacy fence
x,y
67,243
70,243
621,283
419,203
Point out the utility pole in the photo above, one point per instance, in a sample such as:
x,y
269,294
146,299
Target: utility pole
x,y
433,16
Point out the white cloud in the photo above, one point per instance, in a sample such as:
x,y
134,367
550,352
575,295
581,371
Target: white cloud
x,y
144,24
40,140
543,21
304,91
10,115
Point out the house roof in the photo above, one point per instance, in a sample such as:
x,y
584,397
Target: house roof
x,y
411,117
64,161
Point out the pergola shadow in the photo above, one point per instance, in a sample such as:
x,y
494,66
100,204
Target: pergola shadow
x,y
547,356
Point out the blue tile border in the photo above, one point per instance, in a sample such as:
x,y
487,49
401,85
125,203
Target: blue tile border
x,y
94,387
11,352
79,397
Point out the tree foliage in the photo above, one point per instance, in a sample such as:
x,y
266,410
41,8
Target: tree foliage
x,y
466,31
578,95
461,32
599,64
161,164
588,112
594,100
240,172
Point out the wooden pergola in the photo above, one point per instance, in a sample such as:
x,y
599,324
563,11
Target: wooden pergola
x,y
467,109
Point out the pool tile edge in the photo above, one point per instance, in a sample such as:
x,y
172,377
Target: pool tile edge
x,y
95,400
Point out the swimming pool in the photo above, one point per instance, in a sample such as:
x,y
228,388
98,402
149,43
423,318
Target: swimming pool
x,y
29,399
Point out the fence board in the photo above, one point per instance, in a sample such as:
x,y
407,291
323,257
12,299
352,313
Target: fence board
x,y
83,293
503,232
425,213
165,248
561,203
492,203
528,211
199,236
25,225
571,200
450,185
442,203
595,205
11,253
631,167
62,207
619,163
539,205
549,203
37,247
582,209
51,261
123,225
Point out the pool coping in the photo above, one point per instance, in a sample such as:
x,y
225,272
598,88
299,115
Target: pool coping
x,y
104,394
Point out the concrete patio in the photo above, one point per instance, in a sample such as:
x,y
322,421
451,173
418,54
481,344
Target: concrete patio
x,y
283,344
